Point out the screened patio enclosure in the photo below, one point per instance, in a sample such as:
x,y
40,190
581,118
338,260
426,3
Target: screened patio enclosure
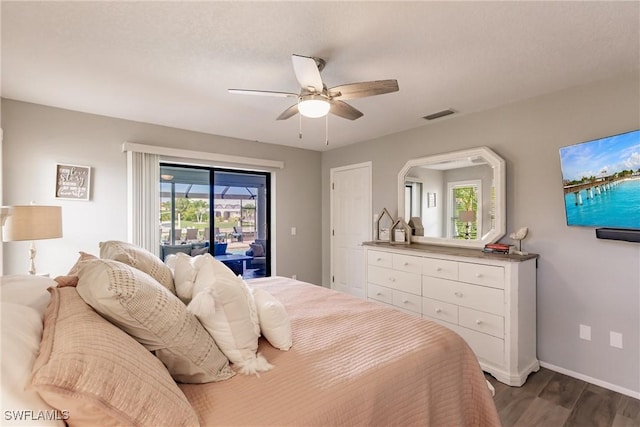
x,y
235,213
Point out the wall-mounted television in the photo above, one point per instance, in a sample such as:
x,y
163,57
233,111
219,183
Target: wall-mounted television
x,y
601,184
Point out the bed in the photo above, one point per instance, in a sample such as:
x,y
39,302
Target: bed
x,y
352,363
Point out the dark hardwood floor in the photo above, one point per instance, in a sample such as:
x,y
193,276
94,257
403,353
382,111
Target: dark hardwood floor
x,y
551,399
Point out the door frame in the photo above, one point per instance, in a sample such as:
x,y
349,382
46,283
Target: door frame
x,y
369,220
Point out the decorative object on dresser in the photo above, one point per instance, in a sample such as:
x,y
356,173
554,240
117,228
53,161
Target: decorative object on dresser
x,y
32,222
383,226
400,233
519,236
416,226
489,300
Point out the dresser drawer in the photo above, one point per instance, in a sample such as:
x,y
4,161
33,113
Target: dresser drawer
x,y
481,322
407,301
485,275
399,280
441,268
486,347
477,297
381,259
408,263
440,310
380,293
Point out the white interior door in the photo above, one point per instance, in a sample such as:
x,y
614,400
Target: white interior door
x,y
351,224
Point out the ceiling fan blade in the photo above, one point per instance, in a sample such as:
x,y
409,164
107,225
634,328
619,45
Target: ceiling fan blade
x,y
344,110
360,90
289,112
263,93
307,72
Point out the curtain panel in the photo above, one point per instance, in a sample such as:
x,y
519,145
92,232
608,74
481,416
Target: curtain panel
x,y
143,196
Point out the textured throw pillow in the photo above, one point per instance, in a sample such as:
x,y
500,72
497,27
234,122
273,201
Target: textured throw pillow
x,y
224,305
274,320
156,318
21,334
84,256
96,374
258,249
138,258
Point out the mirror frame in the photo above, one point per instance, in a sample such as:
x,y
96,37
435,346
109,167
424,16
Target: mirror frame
x,y
499,175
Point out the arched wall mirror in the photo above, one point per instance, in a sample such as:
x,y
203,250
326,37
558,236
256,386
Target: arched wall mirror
x,y
454,199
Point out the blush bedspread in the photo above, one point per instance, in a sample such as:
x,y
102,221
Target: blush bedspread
x,y
353,363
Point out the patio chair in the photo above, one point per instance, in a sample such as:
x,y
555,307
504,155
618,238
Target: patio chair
x,y
177,236
237,234
192,234
220,237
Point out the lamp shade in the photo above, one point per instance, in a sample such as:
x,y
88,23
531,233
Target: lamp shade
x,y
467,216
32,222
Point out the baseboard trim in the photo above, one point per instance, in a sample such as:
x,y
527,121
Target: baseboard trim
x,y
600,383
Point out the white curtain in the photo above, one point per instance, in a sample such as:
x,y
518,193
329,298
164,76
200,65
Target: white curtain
x,y
143,178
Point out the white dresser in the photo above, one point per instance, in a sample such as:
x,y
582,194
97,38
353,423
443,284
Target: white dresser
x,y
488,299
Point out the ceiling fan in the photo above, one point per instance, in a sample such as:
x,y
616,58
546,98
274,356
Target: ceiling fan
x,y
315,100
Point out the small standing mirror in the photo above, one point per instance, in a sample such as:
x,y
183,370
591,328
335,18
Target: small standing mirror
x,y
458,197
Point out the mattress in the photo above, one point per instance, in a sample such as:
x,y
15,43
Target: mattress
x,y
352,363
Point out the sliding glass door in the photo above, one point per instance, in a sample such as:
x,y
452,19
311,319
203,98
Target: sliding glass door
x,y
221,211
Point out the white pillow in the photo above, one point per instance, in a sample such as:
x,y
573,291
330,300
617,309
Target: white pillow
x,y
274,320
224,305
184,274
20,343
27,290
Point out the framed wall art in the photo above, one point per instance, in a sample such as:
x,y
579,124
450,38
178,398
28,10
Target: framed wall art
x,y
73,182
431,200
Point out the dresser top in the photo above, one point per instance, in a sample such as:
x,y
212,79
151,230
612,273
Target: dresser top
x,y
451,250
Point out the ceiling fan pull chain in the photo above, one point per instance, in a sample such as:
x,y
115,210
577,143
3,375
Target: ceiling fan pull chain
x,y
300,126
326,129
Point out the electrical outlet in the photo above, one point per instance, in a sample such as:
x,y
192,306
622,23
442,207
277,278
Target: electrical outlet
x,y
294,231
294,276
585,332
615,339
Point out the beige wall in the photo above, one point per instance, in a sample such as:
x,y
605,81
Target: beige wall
x,y
38,137
581,280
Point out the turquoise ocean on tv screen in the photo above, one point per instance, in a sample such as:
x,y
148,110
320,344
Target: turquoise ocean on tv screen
x,y
616,208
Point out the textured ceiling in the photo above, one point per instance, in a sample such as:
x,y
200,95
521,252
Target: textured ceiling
x,y
171,63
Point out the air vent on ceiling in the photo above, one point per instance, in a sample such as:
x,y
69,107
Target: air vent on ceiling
x,y
439,114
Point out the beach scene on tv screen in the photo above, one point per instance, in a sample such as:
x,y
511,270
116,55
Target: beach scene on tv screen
x,y
601,182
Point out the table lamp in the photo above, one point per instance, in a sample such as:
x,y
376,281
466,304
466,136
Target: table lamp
x,y
468,217
32,222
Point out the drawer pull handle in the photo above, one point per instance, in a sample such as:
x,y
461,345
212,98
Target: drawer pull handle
x,y
405,263
378,293
458,294
404,301
478,322
478,275
438,310
378,259
392,279
438,268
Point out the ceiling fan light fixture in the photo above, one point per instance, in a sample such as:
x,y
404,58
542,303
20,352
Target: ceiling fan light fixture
x,y
313,106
